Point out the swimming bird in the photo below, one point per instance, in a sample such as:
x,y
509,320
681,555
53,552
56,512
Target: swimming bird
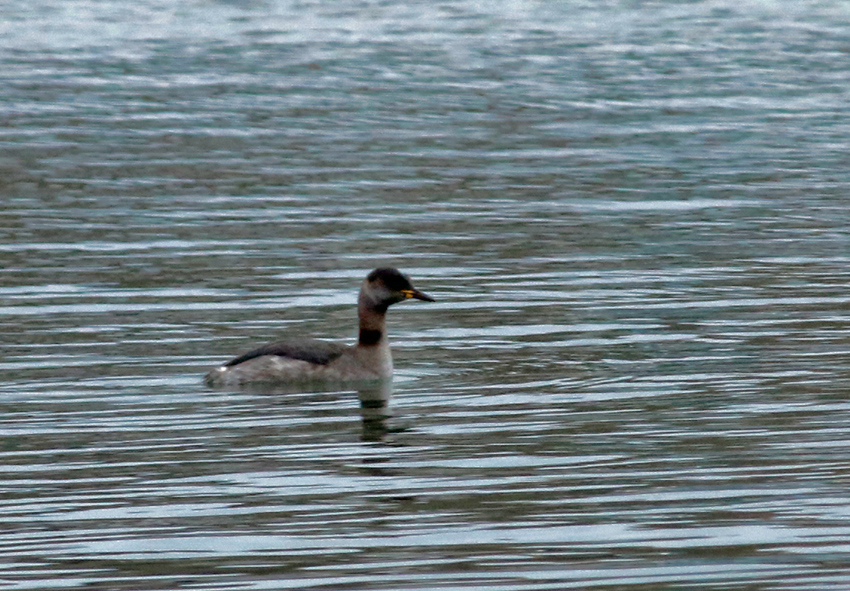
x,y
311,360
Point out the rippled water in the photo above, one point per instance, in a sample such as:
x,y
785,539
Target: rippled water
x,y
633,216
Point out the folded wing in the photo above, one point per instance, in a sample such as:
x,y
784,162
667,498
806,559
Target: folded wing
x,y
309,350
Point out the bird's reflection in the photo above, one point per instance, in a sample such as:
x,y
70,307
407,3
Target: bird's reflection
x,y
374,398
375,410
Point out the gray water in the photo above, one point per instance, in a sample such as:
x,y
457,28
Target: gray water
x,y
633,215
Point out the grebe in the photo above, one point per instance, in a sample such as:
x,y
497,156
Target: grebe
x,y
311,360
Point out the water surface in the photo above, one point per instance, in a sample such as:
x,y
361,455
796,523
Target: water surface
x,y
633,216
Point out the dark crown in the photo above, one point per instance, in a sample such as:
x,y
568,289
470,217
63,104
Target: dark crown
x,y
393,279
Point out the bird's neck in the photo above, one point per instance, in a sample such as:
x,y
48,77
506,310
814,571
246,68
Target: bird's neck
x,y
373,323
